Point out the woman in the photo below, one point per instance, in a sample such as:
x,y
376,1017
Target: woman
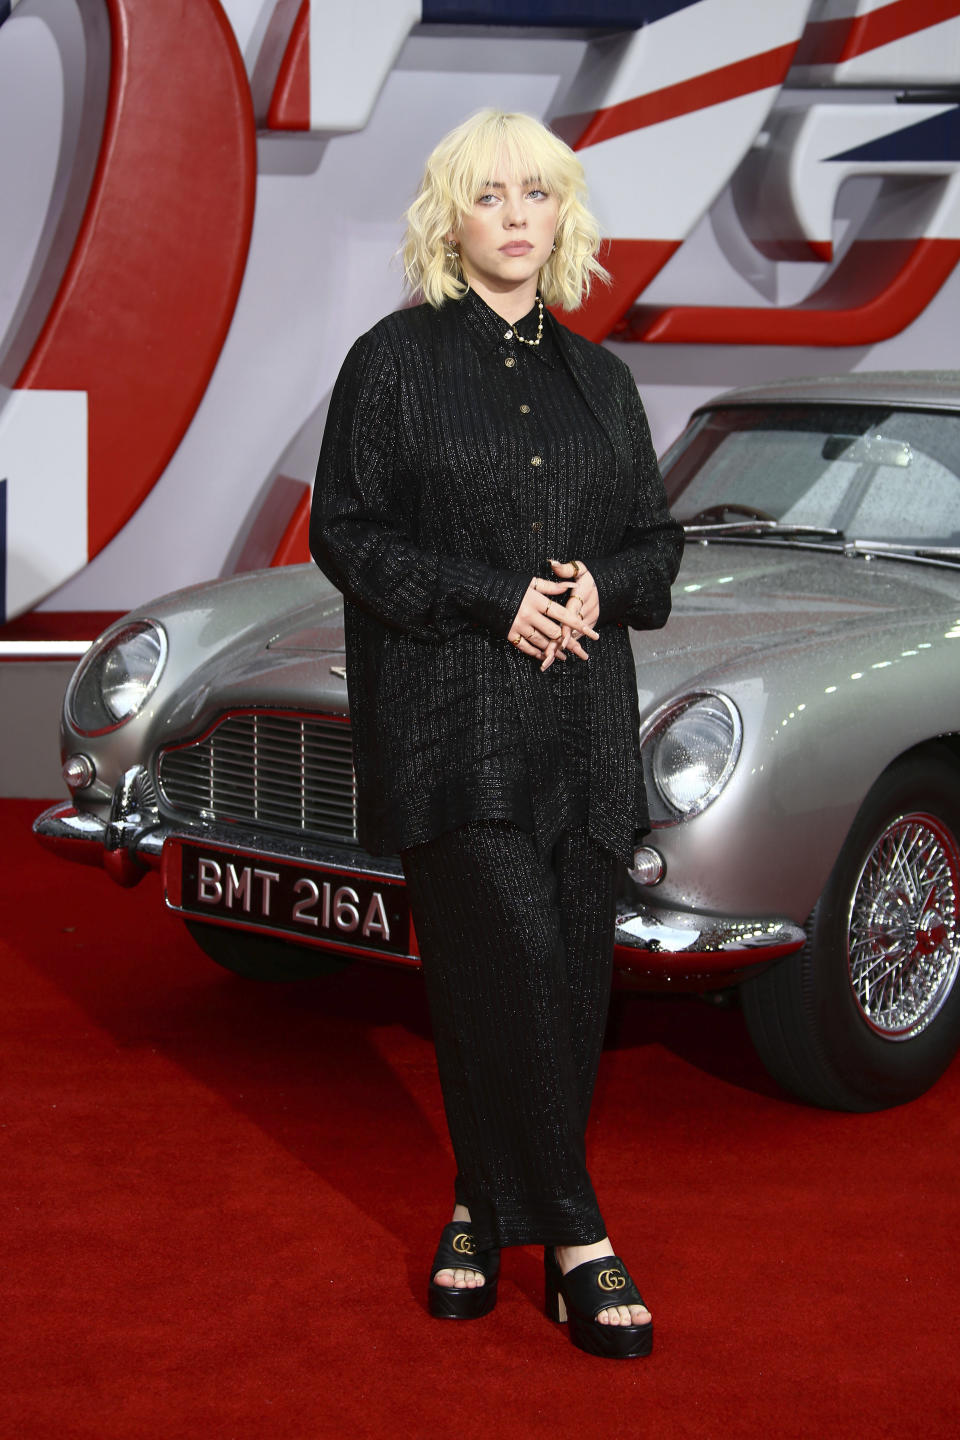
x,y
489,502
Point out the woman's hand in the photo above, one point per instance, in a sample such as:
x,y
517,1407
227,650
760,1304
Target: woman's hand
x,y
541,623
583,607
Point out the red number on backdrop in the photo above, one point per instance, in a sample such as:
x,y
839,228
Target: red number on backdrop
x,y
147,298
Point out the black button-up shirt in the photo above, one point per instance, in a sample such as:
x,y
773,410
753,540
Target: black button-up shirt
x,y
431,516
549,442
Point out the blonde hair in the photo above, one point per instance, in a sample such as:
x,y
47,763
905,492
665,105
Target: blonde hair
x,y
476,152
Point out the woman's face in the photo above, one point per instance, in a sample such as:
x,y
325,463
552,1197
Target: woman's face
x,y
508,235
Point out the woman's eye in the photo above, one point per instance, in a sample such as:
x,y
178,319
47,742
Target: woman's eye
x,y
542,193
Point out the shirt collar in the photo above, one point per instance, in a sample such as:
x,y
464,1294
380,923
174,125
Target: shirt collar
x,y
489,330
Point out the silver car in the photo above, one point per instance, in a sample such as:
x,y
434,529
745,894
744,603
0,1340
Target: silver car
x,y
800,731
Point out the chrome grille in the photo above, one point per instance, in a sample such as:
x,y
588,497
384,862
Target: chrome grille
x,y
284,772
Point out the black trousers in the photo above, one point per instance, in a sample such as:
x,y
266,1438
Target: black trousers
x,y
517,952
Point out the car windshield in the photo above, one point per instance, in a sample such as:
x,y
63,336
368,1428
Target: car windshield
x,y
857,472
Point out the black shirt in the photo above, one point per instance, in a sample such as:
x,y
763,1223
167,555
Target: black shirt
x,y
430,516
550,445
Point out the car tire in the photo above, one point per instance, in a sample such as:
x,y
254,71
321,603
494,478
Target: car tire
x,y
867,1014
261,957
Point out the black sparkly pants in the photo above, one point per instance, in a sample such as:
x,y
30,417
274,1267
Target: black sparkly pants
x,y
517,952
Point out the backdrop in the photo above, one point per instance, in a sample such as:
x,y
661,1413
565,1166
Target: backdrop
x,y
201,209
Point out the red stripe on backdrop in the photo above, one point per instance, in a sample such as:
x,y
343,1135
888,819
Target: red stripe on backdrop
x,y
875,292
59,625
757,72
290,105
294,546
632,265
831,42
270,527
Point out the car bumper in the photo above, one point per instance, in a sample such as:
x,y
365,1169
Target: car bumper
x,y
656,947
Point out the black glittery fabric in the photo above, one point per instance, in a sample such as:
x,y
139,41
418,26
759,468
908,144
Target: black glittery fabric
x,y
517,951
429,516
553,424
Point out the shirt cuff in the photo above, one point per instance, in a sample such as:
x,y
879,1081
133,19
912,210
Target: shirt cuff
x,y
613,586
494,597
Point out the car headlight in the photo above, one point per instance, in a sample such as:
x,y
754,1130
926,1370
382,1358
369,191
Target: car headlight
x,y
113,680
693,745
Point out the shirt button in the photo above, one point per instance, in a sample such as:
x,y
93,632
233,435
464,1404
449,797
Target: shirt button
x,y
535,460
509,362
536,526
524,409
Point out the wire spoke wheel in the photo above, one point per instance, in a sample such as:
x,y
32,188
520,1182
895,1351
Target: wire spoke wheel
x,y
867,1014
903,946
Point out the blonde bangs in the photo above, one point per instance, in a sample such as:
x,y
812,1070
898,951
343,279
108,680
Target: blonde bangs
x,y
495,145
494,150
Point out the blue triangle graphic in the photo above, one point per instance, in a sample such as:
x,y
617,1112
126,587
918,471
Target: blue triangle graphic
x,y
581,14
935,139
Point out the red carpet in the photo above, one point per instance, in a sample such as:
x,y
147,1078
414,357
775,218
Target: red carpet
x,y
202,1176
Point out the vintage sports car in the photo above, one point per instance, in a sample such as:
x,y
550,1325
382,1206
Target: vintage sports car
x,y
800,728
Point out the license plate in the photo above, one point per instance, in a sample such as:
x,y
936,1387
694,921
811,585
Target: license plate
x,y
312,902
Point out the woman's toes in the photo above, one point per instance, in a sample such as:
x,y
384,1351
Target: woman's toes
x,y
467,1279
639,1315
459,1279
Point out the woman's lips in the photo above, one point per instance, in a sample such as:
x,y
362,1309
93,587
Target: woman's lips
x,y
516,247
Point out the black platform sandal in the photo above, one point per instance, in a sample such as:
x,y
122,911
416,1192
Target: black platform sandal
x,y
583,1292
458,1251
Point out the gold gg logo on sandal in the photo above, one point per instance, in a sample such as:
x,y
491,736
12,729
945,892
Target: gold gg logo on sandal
x,y
464,1244
611,1280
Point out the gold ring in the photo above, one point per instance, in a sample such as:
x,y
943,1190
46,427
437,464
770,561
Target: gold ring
x,y
576,569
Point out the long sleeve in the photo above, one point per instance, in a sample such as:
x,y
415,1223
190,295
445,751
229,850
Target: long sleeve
x,y
362,511
634,582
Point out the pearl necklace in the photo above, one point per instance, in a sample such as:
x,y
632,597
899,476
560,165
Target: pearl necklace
x,y
539,328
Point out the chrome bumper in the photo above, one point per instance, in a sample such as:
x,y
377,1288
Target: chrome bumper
x,y
662,948
126,845
127,848
656,946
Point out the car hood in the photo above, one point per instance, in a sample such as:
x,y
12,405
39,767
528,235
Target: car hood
x,y
734,596
728,594
742,601
732,605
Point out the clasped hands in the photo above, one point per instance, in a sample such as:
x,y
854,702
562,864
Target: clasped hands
x,y
546,629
